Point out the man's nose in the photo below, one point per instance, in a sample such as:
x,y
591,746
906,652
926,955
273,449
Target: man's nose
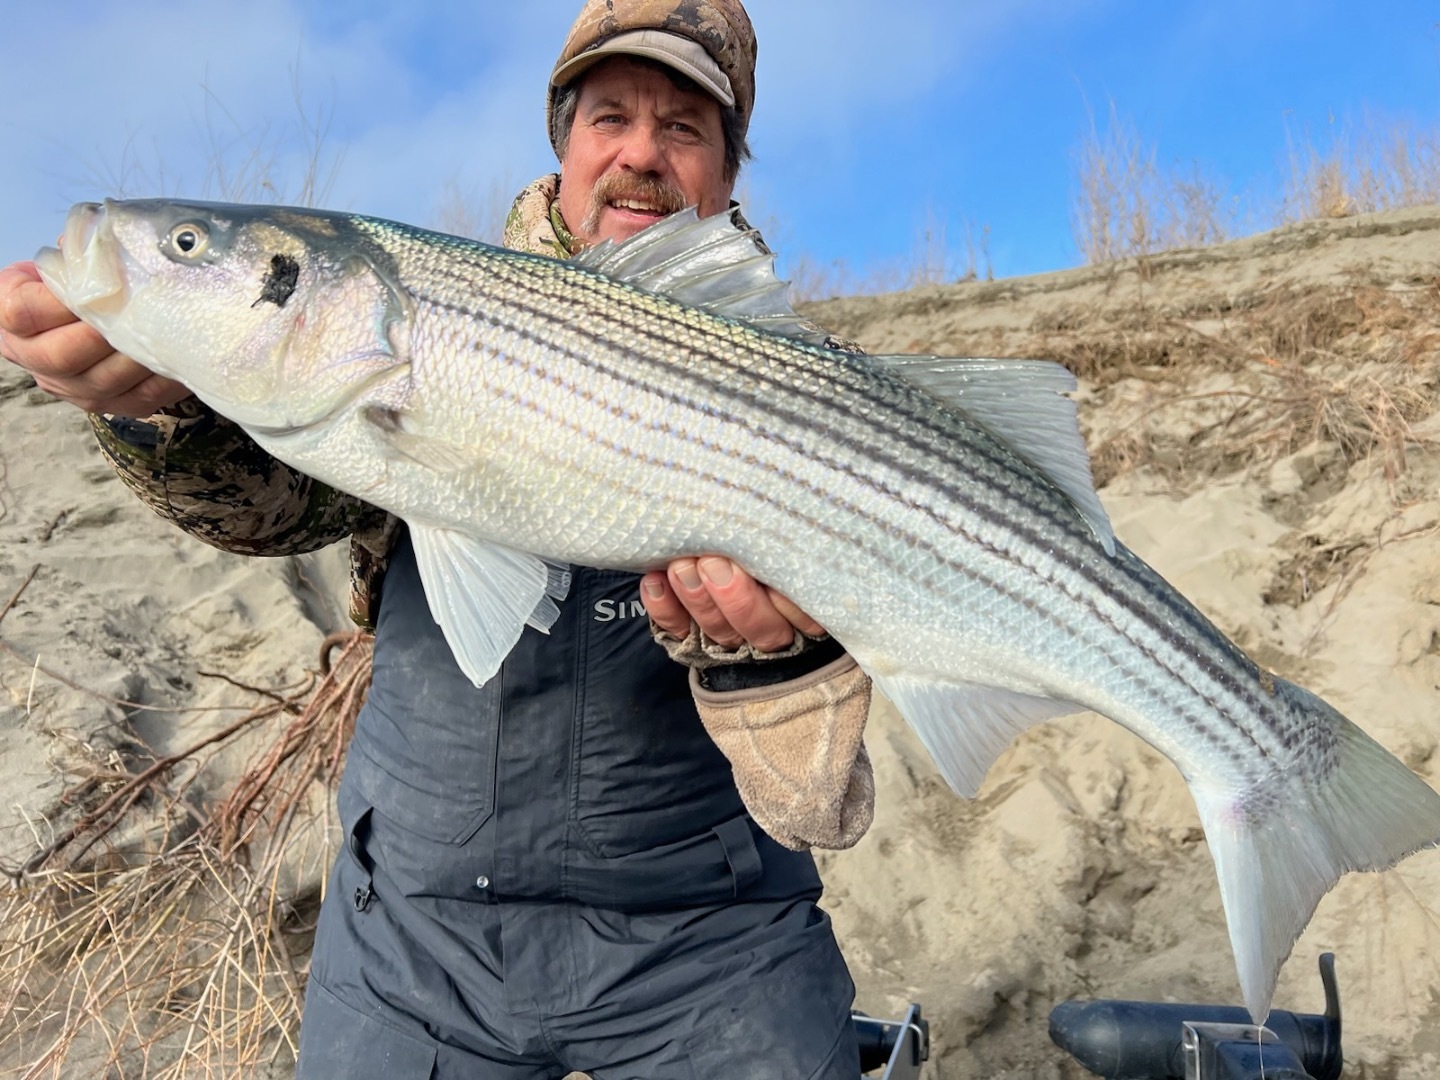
x,y
642,151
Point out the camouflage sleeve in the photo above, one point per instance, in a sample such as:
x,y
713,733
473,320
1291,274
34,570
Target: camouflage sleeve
x,y
201,472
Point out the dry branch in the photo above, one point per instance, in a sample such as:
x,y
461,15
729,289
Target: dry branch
x,y
173,961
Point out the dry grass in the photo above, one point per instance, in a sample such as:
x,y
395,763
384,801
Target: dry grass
x,y
1349,365
1129,206
1379,165
1366,414
181,954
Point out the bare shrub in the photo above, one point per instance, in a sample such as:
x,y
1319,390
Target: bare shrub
x,y
1128,206
464,211
1381,164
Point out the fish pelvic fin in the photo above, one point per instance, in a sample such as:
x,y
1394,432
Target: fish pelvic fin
x,y
483,595
1279,848
963,726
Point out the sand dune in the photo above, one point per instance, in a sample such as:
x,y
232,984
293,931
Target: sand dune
x,y
1262,417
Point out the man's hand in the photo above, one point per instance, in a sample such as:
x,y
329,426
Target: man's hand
x,y
69,359
725,602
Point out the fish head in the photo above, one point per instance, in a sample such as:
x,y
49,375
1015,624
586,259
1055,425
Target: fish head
x,y
275,317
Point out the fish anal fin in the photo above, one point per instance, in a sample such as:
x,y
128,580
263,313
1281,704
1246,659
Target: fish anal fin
x,y
966,727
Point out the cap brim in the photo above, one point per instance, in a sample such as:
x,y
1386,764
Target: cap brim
x,y
682,54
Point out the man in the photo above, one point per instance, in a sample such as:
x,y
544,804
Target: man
x,y
554,871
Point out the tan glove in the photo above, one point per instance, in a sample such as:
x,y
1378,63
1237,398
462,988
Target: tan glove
x,y
798,754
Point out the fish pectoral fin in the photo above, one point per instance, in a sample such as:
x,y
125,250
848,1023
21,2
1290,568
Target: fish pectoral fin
x,y
395,428
1281,845
1023,404
708,263
483,595
965,727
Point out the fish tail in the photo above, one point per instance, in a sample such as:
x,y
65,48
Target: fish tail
x,y
1280,846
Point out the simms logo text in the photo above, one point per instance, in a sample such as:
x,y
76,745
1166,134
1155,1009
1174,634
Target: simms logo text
x,y
610,610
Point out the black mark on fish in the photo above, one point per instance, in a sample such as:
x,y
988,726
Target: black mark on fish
x,y
280,281
387,420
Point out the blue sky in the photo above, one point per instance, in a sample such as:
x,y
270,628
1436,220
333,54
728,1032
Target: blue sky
x,y
872,118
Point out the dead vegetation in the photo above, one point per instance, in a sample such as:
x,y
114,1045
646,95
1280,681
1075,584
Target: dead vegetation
x,y
1351,365
179,949
1128,205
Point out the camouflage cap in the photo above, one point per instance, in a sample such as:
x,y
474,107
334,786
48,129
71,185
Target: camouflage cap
x,y
720,27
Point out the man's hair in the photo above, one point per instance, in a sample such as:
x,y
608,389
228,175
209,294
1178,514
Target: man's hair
x,y
567,102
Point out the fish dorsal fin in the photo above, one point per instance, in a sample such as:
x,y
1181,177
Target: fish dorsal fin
x,y
1023,404
484,595
709,264
964,726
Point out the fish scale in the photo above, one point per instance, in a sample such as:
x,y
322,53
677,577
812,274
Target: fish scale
x,y
668,330
658,398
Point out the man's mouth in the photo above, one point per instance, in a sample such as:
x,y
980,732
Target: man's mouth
x,y
631,203
639,206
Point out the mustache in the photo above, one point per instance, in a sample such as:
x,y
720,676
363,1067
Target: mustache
x,y
647,189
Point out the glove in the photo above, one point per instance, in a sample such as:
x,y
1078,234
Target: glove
x,y
798,753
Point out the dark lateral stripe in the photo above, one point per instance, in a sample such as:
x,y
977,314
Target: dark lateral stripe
x,y
950,444
1141,602
533,370
598,295
882,555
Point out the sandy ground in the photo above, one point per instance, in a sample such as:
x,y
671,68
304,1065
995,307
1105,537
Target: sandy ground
x,y
1080,871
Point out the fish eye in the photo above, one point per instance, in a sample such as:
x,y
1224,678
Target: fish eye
x,y
189,239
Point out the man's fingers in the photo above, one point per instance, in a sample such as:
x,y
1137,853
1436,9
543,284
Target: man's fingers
x,y
663,606
27,306
683,577
151,394
113,383
797,618
65,352
730,606
743,606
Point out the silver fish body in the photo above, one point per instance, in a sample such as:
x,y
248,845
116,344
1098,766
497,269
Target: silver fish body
x,y
522,414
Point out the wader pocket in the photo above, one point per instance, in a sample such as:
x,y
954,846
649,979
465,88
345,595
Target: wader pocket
x,y
424,748
644,772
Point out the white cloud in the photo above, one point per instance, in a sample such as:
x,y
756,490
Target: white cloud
x,y
147,95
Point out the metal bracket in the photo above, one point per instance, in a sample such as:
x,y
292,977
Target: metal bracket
x,y
909,1039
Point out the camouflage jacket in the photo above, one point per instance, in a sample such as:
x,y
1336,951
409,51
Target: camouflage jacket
x,y
202,472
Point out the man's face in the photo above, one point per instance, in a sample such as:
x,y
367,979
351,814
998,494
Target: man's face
x,y
639,149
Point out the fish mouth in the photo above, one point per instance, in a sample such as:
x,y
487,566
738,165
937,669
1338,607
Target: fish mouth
x,y
86,271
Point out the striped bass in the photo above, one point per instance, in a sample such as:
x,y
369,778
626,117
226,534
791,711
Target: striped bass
x,y
658,399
